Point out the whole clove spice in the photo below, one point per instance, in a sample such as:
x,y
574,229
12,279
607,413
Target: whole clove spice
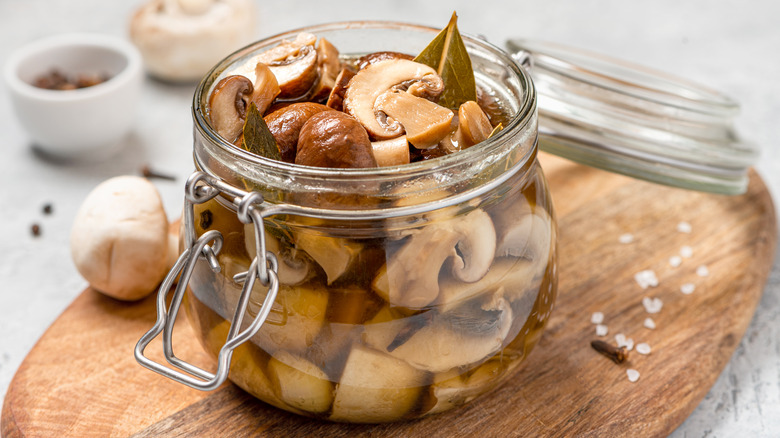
x,y
35,229
147,172
47,208
617,354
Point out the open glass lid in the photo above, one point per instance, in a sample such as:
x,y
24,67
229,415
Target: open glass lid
x,y
628,119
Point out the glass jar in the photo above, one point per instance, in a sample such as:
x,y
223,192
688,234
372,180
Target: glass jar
x,y
391,293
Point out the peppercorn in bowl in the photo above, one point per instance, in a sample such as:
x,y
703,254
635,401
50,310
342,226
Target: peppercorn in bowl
x,y
75,94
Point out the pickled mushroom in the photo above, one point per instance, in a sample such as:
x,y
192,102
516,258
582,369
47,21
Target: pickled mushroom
x,y
467,242
467,335
376,79
294,63
228,104
300,383
375,387
294,268
296,318
424,122
393,152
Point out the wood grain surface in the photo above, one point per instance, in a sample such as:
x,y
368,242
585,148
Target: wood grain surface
x,y
81,378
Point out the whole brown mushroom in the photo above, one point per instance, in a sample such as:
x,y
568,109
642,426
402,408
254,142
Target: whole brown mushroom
x,y
334,139
285,124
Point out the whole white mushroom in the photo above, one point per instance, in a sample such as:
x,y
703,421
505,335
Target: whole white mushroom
x,y
180,40
119,241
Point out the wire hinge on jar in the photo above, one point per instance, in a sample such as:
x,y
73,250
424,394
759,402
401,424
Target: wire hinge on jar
x,y
201,188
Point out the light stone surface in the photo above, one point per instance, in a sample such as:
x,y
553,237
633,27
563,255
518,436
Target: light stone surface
x,y
728,45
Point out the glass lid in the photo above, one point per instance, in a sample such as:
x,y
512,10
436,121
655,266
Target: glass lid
x,y
631,120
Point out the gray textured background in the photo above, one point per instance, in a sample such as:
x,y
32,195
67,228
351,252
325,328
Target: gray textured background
x,y
728,45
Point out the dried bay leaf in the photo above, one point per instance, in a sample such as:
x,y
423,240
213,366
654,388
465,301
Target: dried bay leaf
x,y
257,137
447,54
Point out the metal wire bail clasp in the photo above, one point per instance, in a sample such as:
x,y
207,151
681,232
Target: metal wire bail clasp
x,y
200,188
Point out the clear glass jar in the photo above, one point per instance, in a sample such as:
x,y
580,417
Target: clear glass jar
x,y
403,291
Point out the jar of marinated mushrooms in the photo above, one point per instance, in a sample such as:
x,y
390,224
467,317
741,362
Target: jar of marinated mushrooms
x,y
395,260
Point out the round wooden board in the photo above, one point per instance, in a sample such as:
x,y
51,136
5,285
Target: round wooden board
x,y
81,378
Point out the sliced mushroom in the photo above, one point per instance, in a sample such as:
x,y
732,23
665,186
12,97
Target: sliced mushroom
x,y
375,387
465,336
285,124
296,318
228,105
373,58
300,383
425,122
466,242
294,63
294,268
328,69
266,88
336,97
529,237
473,125
334,139
393,152
455,389
376,79
334,255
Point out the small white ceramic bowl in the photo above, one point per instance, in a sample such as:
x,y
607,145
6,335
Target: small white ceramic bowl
x,y
84,122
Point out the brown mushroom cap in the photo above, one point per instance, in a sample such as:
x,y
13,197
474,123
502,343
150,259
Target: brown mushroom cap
x,y
334,139
336,97
376,79
285,124
227,105
266,88
373,58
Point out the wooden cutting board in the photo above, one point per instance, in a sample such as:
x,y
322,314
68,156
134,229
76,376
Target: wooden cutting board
x,y
81,378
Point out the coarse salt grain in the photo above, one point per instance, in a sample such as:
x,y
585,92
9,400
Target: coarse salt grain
x,y
601,330
646,279
684,227
675,261
626,238
623,341
652,305
643,348
702,271
649,323
633,375
597,318
686,251
687,288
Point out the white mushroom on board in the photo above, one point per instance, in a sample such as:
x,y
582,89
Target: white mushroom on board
x,y
467,243
376,79
180,40
119,241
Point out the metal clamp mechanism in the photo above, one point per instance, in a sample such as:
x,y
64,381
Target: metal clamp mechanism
x,y
201,188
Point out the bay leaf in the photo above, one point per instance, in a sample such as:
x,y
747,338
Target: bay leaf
x,y
257,137
496,130
447,54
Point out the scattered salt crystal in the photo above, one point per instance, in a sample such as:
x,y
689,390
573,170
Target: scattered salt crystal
x,y
684,227
649,323
646,279
652,305
633,375
626,238
686,251
687,288
675,261
597,318
622,341
601,330
643,348
702,271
